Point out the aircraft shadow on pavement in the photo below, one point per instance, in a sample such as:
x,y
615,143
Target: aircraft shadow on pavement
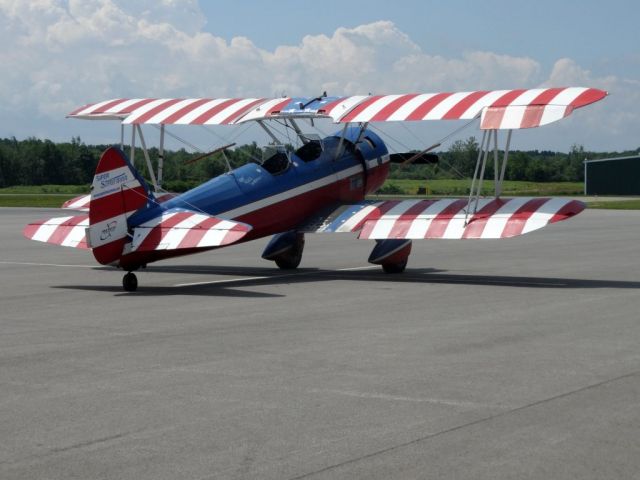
x,y
246,277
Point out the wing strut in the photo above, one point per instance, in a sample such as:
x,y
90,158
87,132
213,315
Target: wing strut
x,y
489,137
147,159
161,156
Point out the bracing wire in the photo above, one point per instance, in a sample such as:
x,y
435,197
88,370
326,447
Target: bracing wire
x,y
442,140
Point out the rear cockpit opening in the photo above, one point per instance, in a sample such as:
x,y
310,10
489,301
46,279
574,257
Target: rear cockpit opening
x,y
275,159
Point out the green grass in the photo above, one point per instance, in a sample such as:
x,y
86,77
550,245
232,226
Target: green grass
x,y
35,189
34,200
449,187
55,195
616,204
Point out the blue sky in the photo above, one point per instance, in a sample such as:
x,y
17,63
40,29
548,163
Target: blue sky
x,y
599,35
59,54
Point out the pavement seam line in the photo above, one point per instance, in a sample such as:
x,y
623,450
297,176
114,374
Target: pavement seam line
x,y
469,424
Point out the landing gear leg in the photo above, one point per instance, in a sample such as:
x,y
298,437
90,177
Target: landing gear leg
x,y
392,254
130,282
291,259
285,249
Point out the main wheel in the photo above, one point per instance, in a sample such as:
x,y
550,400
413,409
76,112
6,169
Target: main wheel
x,y
290,259
289,262
130,282
394,267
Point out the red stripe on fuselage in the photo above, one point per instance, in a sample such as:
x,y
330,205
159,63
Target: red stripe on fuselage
x,y
271,219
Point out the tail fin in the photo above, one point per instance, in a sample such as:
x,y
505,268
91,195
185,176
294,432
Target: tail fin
x,y
117,192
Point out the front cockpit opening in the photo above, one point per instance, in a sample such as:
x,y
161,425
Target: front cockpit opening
x,y
311,148
275,159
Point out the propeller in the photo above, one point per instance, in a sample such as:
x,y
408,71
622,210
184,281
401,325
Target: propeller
x,y
419,158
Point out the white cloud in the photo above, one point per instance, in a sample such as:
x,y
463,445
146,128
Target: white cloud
x,y
59,54
618,115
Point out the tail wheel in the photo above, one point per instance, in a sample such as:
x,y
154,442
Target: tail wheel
x,y
394,267
130,282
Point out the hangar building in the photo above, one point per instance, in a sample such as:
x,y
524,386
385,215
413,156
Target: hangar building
x,y
612,176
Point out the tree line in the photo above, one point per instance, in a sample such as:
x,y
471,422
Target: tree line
x,y
40,162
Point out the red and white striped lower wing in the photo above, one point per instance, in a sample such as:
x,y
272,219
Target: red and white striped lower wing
x,y
447,218
181,229
65,231
78,203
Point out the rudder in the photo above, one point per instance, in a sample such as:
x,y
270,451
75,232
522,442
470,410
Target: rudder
x,y
117,192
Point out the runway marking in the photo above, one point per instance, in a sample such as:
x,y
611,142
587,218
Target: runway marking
x,y
328,273
231,280
401,398
264,277
34,264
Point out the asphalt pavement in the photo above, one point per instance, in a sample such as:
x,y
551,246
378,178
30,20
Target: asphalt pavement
x,y
494,359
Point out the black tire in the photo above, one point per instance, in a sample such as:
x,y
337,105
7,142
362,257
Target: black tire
x,y
130,282
394,267
290,259
290,262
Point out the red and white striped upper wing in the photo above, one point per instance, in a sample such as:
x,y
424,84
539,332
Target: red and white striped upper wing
x,y
65,231
510,109
171,111
447,218
179,229
521,108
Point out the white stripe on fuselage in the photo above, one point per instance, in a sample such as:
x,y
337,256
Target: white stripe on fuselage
x,y
302,189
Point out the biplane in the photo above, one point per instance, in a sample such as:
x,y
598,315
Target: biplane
x,y
320,187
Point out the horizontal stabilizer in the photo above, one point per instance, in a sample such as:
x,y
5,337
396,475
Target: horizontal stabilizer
x,y
65,231
182,229
446,218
